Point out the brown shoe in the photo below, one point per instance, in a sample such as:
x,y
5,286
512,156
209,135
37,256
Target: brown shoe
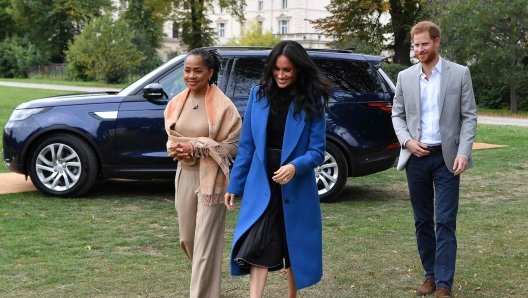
x,y
443,292
427,287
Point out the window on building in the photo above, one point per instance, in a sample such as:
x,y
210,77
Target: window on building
x,y
283,27
260,5
284,4
221,30
242,24
244,6
175,29
260,26
221,9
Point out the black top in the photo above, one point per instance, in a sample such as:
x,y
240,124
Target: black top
x,y
277,118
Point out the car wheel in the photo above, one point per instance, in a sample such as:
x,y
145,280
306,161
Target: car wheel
x,y
332,174
63,165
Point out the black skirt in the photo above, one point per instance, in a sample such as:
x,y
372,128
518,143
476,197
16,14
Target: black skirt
x,y
264,244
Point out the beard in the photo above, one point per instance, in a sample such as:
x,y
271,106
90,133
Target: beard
x,y
428,57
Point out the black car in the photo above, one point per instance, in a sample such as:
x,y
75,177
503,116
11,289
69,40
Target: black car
x,y
65,143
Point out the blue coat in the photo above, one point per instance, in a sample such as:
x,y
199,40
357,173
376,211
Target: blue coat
x,y
303,146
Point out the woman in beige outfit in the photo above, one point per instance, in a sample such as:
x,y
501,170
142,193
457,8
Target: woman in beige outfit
x,y
203,127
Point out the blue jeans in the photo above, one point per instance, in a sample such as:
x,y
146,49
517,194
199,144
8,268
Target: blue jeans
x,y
425,176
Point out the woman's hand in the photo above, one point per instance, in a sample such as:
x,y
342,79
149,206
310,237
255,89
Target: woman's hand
x,y
284,174
230,200
180,150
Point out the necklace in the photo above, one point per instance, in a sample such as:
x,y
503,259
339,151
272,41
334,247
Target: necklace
x,y
195,105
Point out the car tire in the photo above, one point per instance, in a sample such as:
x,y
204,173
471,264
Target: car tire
x,y
331,176
63,165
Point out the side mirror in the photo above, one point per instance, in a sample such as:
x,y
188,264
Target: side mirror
x,y
153,91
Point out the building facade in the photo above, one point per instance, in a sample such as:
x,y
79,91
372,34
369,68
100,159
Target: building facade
x,y
288,19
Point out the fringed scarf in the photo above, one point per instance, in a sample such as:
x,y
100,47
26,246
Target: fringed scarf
x,y
225,125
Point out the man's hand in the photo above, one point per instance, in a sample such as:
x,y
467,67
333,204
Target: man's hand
x,y
417,149
460,165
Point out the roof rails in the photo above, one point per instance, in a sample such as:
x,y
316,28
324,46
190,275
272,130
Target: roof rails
x,y
239,48
247,48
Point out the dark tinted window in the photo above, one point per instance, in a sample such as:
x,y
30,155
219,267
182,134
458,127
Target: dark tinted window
x,y
352,76
173,82
248,73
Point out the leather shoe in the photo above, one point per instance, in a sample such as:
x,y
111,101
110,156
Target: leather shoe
x,y
427,287
443,292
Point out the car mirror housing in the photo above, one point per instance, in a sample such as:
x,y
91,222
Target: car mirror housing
x,y
153,91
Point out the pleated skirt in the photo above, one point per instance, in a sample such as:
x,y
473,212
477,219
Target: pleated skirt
x,y
264,244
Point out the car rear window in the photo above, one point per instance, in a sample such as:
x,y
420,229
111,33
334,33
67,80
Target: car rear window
x,y
351,75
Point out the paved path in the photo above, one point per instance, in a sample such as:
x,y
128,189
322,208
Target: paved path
x,y
58,87
502,120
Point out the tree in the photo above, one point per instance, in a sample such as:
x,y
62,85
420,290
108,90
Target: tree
x,y
196,27
7,25
146,19
254,36
18,56
104,50
491,37
384,24
51,24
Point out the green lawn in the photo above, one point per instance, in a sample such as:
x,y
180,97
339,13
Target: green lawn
x,y
121,238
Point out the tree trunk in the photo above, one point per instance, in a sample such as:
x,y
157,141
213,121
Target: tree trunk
x,y
400,27
513,89
402,48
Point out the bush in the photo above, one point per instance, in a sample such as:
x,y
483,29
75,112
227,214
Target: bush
x,y
392,70
496,95
104,50
18,56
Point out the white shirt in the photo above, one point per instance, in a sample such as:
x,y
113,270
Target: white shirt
x,y
430,112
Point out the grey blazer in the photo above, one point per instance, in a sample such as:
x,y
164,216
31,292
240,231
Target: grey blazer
x,y
458,112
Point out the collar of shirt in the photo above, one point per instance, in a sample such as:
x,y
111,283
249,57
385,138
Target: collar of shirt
x,y
437,67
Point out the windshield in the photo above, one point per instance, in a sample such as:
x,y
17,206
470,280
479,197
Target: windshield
x,y
147,78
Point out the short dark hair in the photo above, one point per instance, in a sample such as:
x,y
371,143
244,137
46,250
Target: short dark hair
x,y
432,28
211,58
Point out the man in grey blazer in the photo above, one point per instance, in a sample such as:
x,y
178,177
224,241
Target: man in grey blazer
x,y
435,118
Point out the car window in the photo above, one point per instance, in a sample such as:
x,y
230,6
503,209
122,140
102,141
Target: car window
x,y
350,75
173,82
247,73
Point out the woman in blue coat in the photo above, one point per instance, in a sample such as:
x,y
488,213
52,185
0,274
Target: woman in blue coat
x,y
282,141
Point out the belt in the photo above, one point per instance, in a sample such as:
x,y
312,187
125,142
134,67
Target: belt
x,y
434,149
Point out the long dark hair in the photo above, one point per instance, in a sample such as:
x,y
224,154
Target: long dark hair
x,y
307,89
211,59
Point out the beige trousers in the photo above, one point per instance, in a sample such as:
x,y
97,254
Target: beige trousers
x,y
202,229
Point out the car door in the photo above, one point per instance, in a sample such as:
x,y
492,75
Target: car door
x,y
140,131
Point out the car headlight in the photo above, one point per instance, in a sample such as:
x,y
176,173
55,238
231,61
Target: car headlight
x,y
24,114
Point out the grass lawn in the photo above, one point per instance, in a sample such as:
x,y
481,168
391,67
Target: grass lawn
x,y
121,238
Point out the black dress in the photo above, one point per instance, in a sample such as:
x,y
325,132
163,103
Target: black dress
x,y
264,244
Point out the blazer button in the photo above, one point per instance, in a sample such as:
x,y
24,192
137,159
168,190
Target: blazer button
x,y
287,201
419,129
